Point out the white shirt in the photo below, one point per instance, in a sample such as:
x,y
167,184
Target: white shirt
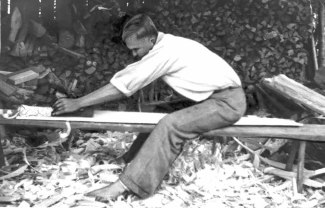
x,y
187,66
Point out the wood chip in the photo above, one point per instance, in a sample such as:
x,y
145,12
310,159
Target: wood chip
x,y
17,172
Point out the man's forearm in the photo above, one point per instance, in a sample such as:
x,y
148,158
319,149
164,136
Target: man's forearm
x,y
104,94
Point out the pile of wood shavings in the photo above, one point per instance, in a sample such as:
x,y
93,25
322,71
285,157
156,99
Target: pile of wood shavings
x,y
52,177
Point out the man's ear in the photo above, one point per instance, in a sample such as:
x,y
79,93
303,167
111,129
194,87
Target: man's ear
x,y
153,40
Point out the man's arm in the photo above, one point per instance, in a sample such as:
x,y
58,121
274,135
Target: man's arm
x,y
104,94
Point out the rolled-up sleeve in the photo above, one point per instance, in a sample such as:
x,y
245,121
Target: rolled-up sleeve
x,y
141,73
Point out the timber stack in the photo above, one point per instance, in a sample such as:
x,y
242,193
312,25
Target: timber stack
x,y
258,38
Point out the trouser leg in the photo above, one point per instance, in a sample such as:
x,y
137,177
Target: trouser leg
x,y
135,147
146,171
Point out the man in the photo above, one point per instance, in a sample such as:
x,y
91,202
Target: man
x,y
190,69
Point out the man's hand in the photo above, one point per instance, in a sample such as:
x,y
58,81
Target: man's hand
x,y
106,93
65,105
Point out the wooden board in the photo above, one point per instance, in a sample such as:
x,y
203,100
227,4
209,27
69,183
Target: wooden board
x,y
7,88
153,118
22,77
258,121
297,92
25,75
109,117
307,132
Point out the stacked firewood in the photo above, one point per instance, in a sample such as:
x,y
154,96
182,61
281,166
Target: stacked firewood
x,y
258,38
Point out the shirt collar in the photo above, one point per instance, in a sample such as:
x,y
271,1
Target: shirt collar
x,y
160,37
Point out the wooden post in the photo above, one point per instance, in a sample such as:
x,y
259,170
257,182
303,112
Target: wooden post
x,y
0,27
301,165
314,53
2,161
292,156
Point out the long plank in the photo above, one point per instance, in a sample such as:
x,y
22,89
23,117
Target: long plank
x,y
308,132
78,125
107,117
153,118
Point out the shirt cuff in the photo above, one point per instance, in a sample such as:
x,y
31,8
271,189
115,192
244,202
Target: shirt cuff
x,y
121,87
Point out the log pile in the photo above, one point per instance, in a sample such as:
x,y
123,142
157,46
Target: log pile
x,y
258,38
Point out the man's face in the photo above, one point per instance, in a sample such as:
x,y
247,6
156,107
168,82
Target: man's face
x,y
139,47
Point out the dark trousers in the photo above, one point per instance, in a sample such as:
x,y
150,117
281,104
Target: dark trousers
x,y
158,151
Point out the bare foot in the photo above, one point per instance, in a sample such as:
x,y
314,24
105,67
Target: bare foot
x,y
109,192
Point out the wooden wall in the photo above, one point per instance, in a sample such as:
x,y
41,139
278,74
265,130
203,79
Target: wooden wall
x,y
50,8
54,14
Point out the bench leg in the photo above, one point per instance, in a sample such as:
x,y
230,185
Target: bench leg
x,y
2,136
2,157
301,166
292,156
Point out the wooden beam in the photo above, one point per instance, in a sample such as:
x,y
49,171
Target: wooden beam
x,y
89,115
79,125
308,132
297,92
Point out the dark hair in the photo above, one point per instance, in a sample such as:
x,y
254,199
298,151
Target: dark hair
x,y
141,25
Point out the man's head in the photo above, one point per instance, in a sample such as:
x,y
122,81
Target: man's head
x,y
139,35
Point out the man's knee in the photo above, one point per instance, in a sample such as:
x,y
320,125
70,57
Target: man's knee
x,y
169,127
169,121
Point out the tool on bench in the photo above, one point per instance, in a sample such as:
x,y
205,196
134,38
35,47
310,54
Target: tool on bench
x,y
84,112
25,111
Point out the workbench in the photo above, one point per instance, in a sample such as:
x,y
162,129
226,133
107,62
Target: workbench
x,y
129,121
